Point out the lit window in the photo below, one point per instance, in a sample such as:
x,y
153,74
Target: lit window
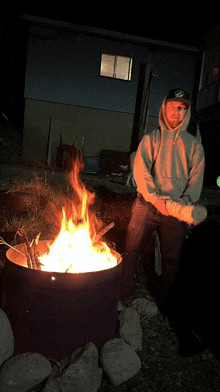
x,y
118,67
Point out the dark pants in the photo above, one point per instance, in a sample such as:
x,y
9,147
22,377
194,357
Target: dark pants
x,y
195,297
171,232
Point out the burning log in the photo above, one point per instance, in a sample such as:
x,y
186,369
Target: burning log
x,y
31,255
191,214
34,245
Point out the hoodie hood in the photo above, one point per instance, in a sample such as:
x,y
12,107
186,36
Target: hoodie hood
x,y
164,125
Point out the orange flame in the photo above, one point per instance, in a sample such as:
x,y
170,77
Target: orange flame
x,y
75,248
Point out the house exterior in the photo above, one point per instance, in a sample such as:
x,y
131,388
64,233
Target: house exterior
x,y
103,86
208,105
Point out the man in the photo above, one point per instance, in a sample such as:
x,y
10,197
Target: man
x,y
169,164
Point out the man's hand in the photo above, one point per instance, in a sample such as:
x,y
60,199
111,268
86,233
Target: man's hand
x,y
161,207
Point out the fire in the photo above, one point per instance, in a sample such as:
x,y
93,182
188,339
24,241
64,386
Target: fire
x,y
77,248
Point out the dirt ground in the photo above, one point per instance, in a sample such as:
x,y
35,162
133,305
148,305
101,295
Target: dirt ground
x,y
163,370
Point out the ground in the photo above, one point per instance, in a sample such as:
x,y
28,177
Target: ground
x,y
162,368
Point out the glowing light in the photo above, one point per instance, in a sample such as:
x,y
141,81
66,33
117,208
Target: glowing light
x,y
76,249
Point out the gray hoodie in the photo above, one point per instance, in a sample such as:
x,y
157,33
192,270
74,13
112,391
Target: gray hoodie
x,y
170,163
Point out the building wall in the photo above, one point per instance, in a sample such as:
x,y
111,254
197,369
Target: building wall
x,y
173,70
62,80
64,68
102,129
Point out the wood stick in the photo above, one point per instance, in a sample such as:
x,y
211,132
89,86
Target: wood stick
x,y
74,143
49,142
34,246
23,234
2,242
103,232
28,258
70,266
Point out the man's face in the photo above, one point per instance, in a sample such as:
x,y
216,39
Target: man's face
x,y
175,112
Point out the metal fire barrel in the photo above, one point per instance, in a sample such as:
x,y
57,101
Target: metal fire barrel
x,y
54,313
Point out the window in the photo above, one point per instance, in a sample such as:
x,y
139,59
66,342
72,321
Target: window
x,y
118,67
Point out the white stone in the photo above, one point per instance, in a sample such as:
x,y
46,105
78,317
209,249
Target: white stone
x,y
79,372
130,329
6,338
120,306
119,361
144,307
24,371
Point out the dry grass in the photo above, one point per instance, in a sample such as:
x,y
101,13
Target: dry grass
x,y
40,214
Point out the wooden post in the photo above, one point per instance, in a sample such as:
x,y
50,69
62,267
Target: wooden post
x,y
49,142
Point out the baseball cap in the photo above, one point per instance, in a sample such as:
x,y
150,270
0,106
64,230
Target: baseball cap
x,y
178,94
